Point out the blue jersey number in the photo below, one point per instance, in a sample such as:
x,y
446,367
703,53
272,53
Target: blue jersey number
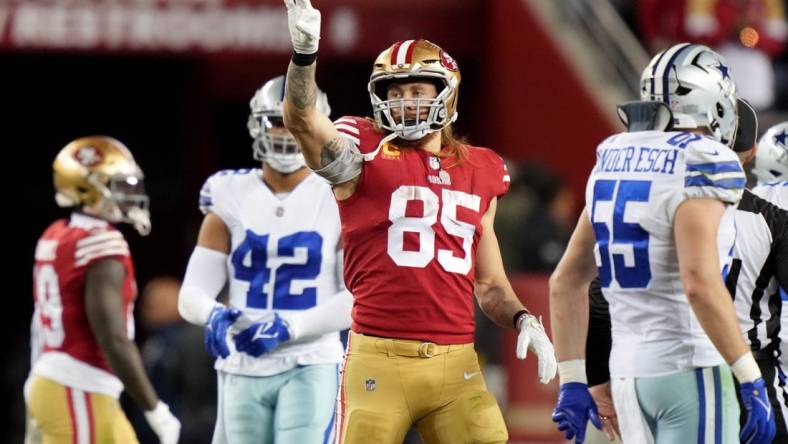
x,y
258,274
681,140
626,244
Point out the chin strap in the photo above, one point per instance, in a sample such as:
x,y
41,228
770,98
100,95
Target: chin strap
x,y
368,157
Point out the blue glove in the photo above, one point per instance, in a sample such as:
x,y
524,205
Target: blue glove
x,y
219,321
760,426
573,410
262,337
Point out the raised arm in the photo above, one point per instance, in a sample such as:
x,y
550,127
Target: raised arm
x,y
313,130
326,152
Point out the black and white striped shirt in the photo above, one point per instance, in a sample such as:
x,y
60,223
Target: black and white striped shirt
x,y
758,270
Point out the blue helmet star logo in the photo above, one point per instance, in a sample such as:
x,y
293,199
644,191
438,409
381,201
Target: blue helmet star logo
x,y
780,139
724,70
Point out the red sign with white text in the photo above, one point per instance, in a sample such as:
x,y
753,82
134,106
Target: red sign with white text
x,y
351,28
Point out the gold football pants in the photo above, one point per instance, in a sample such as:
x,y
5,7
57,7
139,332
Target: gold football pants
x,y
64,415
389,385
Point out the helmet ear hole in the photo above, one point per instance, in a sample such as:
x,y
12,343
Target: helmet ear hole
x,y
720,110
682,91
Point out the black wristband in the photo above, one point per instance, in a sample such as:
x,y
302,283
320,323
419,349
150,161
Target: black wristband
x,y
517,317
303,59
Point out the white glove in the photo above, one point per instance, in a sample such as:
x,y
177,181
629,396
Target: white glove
x,y
304,23
533,336
164,423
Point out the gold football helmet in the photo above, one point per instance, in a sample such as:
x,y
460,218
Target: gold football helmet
x,y
99,174
413,60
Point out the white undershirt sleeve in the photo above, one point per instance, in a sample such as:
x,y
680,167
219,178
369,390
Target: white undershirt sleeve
x,y
333,315
330,316
205,278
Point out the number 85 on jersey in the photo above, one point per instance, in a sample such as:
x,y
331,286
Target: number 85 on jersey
x,y
423,226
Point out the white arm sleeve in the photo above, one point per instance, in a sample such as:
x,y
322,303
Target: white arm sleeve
x,y
205,277
333,315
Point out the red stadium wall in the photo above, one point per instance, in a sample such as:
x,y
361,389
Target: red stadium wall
x,y
538,108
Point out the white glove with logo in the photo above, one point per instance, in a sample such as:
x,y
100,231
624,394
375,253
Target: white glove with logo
x,y
304,23
164,423
533,336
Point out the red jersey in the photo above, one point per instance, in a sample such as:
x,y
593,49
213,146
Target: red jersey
x,y
63,254
410,233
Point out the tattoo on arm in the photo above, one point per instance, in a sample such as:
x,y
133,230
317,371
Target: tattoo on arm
x,y
331,151
301,88
499,308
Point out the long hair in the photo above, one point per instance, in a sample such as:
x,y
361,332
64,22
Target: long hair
x,y
456,146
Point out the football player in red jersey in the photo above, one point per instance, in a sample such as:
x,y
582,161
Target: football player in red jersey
x,y
84,290
417,209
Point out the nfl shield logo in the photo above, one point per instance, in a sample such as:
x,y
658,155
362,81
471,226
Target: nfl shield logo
x,y
370,385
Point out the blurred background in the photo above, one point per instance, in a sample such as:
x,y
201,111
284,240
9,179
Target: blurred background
x,y
172,80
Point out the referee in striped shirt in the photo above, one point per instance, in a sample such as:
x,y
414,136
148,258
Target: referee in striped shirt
x,y
758,271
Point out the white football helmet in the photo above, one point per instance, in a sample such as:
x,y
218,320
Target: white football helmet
x,y
771,158
273,144
696,84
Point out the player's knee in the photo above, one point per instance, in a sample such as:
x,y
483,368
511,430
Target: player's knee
x,y
363,427
307,421
483,419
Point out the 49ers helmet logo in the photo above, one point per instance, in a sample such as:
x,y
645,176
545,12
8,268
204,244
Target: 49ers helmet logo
x,y
448,62
88,156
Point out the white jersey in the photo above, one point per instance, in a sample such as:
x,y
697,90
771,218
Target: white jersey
x,y
285,255
761,232
632,195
